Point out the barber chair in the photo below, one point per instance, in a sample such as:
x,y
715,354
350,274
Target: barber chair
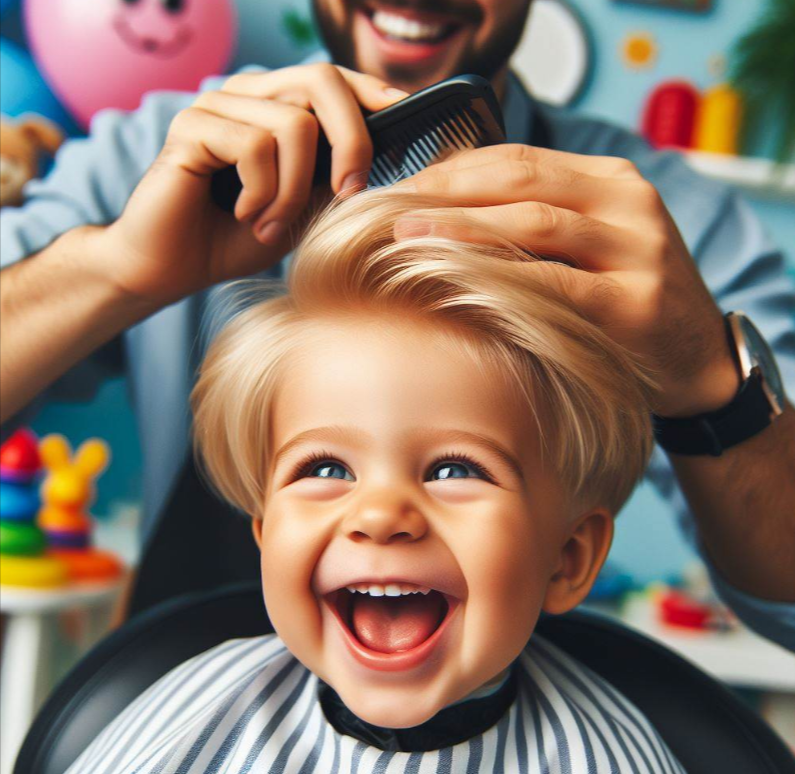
x,y
708,729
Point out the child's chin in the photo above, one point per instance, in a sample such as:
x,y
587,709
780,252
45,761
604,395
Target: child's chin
x,y
381,708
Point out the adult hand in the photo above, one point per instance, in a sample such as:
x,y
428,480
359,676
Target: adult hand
x,y
628,268
172,240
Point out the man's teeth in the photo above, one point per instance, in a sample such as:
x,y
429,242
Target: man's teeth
x,y
389,590
407,29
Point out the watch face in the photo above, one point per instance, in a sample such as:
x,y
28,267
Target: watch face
x,y
761,356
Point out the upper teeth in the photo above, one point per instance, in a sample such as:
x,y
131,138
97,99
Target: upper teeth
x,y
408,29
389,590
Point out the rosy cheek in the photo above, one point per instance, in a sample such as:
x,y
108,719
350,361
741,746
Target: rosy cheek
x,y
463,490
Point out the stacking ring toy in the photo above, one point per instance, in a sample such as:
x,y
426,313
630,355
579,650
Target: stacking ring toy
x,y
41,572
91,565
20,539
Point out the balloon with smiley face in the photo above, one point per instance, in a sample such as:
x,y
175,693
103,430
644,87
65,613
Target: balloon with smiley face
x,y
109,54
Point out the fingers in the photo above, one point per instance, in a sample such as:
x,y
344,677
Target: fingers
x,y
600,166
593,293
585,290
202,143
505,181
537,227
336,96
280,189
289,84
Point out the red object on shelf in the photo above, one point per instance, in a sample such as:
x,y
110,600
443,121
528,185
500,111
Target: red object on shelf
x,y
679,609
669,115
19,455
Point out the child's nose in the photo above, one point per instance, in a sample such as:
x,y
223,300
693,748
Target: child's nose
x,y
385,517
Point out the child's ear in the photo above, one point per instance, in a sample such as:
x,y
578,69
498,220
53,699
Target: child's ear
x,y
581,558
256,530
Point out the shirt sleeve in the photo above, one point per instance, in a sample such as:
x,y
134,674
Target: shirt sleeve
x,y
89,183
745,272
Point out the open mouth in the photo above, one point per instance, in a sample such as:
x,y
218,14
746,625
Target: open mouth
x,y
394,625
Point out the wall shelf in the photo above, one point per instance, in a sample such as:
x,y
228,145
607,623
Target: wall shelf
x,y
740,658
760,177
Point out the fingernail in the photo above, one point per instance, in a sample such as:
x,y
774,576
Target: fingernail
x,y
271,232
409,229
391,91
354,181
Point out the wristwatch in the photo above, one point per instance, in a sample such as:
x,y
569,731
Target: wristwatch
x,y
756,405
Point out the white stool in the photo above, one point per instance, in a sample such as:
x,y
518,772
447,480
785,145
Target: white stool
x,y
31,663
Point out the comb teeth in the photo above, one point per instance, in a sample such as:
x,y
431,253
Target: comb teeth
x,y
399,153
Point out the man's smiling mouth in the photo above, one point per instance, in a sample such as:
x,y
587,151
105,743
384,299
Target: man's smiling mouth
x,y
394,25
391,626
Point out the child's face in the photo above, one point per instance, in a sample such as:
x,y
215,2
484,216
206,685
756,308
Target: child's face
x,y
401,462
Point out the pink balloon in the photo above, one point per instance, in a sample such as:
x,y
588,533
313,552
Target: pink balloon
x,y
108,53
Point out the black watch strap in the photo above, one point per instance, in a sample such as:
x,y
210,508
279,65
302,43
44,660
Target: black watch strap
x,y
710,434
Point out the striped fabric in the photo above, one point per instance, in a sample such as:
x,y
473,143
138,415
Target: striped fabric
x,y
250,706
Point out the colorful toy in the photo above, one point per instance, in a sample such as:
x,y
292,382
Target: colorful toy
x,y
22,543
19,458
40,572
679,609
22,145
669,115
23,90
67,492
109,54
719,121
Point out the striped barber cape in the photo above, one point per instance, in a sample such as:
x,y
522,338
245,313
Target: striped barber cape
x,y
250,706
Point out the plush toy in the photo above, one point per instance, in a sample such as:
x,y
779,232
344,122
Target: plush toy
x,y
22,146
109,54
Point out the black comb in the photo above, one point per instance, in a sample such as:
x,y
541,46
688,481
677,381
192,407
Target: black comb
x,y
461,112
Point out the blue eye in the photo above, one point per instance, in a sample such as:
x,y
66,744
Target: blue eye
x,y
330,470
449,469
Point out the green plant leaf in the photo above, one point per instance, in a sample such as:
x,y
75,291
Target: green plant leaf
x,y
763,71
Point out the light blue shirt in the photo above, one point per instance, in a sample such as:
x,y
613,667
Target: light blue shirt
x,y
93,178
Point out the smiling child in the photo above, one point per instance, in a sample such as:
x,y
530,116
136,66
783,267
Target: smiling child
x,y
432,445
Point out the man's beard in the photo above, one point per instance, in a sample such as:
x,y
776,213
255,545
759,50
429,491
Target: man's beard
x,y
486,62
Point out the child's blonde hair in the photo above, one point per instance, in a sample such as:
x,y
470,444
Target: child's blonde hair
x,y
590,398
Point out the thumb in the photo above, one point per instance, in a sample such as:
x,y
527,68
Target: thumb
x,y
372,93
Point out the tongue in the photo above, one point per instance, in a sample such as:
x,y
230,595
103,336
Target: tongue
x,y
391,624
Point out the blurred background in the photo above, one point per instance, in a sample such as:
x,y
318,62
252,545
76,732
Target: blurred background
x,y
683,72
